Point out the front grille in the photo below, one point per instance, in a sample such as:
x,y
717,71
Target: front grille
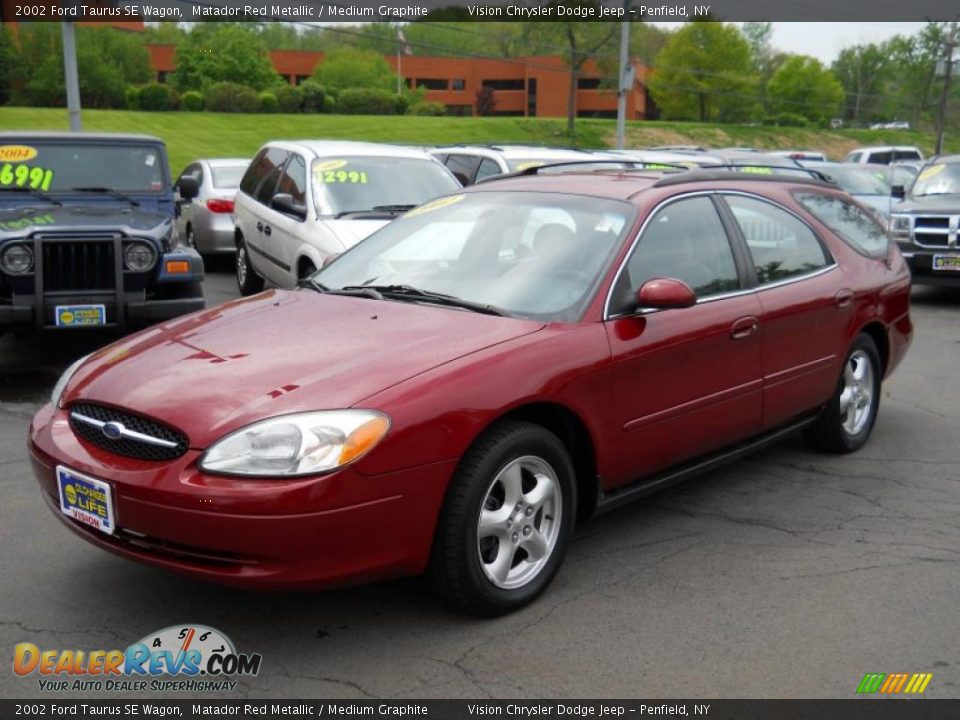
x,y
932,222
78,265
932,230
931,239
127,446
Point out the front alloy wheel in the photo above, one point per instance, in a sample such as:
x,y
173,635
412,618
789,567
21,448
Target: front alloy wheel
x,y
248,282
506,521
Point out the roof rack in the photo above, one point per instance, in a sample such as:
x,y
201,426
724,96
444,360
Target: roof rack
x,y
502,145
624,165
749,171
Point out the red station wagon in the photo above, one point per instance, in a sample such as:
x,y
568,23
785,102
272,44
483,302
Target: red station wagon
x,y
453,393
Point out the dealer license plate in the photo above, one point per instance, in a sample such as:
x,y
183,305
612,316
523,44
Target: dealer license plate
x,y
80,315
85,499
946,263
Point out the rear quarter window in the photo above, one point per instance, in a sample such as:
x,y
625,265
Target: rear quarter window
x,y
852,224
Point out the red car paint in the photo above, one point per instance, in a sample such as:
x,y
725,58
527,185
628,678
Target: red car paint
x,y
640,393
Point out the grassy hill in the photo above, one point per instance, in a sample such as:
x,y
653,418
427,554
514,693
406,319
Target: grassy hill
x,y
194,135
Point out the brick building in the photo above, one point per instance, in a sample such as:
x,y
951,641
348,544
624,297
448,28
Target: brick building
x,y
530,86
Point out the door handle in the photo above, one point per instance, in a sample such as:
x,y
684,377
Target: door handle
x,y
259,226
267,230
844,298
744,328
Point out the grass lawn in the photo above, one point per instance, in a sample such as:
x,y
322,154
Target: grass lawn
x,y
195,135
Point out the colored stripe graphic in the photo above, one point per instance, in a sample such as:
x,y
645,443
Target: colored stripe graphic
x,y
894,683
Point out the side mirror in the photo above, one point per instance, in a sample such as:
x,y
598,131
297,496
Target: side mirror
x,y
665,294
285,203
898,191
188,186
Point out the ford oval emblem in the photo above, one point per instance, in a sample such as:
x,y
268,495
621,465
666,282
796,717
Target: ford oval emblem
x,y
113,430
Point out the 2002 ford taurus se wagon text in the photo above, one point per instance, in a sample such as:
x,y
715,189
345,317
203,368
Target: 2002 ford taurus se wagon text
x,y
453,393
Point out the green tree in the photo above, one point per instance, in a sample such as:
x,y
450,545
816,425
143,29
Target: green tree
x,y
223,52
350,68
862,71
704,72
802,85
107,61
8,60
577,42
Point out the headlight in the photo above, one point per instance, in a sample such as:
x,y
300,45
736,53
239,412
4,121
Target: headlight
x,y
16,259
900,226
64,379
139,257
293,445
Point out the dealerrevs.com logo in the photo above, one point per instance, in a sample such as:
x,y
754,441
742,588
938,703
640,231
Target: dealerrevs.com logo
x,y
200,658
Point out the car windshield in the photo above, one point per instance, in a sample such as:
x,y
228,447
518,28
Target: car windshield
x,y
357,184
228,176
859,181
59,167
938,179
533,255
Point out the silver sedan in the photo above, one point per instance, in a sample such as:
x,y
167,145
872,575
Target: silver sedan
x,y
206,221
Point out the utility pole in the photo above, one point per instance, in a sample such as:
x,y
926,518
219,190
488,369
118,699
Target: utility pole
x,y
70,76
623,88
945,94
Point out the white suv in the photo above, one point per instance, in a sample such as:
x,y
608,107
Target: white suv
x,y
884,154
472,163
302,201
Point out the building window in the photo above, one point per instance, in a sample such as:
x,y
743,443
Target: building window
x,y
458,84
432,83
460,110
586,83
161,76
503,84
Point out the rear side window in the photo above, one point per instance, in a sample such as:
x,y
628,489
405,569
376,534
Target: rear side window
x,y
853,157
463,166
854,226
906,155
267,163
488,168
781,245
882,158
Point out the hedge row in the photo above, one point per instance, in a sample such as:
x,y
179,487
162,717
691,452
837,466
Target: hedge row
x,y
306,98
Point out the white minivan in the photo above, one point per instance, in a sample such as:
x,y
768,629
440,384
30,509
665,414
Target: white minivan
x,y
302,201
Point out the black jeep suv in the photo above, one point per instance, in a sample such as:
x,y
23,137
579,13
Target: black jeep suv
x,y
87,233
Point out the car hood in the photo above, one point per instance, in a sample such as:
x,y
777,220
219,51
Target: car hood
x,y
939,204
351,231
24,220
279,352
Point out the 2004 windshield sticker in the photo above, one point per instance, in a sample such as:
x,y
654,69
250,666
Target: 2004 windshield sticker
x,y
337,171
15,172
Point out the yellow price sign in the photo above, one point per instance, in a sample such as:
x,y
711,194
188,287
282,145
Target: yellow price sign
x,y
36,178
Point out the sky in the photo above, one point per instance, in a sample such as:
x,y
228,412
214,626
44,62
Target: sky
x,y
825,40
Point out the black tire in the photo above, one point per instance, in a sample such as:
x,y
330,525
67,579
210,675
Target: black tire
x,y
456,569
830,432
190,240
248,282
306,268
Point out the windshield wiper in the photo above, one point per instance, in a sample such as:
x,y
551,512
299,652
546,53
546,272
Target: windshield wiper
x,y
107,191
36,193
377,210
405,292
311,284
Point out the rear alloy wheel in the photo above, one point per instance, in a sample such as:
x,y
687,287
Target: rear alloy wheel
x,y
846,423
507,520
248,281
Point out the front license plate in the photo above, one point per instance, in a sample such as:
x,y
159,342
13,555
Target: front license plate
x,y
85,499
946,263
80,315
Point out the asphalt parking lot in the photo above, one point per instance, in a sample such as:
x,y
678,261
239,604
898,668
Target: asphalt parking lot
x,y
790,574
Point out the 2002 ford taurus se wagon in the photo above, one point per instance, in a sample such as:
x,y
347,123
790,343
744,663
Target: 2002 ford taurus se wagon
x,y
451,394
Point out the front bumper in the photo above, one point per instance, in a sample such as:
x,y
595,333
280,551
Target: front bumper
x,y
920,262
342,528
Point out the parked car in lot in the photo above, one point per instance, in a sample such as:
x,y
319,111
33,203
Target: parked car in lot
x,y
870,185
927,223
301,202
453,393
87,234
800,154
205,222
472,163
883,154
